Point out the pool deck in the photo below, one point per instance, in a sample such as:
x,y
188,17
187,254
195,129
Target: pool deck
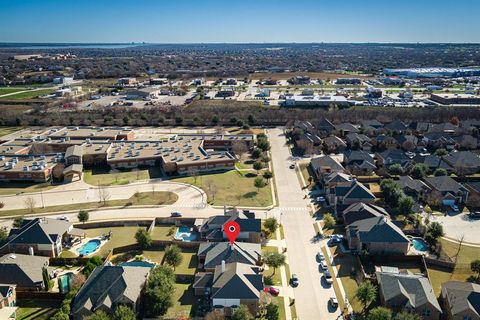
x,y
75,248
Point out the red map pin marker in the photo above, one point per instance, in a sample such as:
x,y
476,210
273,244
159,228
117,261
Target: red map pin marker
x,y
231,229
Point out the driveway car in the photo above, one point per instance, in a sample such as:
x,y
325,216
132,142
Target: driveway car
x,y
324,265
175,214
320,256
292,166
328,277
274,291
474,215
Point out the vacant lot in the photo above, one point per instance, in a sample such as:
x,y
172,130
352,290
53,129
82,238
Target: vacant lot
x,y
29,94
142,198
465,256
231,187
106,177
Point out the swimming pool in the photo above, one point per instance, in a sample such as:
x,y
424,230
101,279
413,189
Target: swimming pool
x,y
64,282
89,247
420,245
138,264
185,234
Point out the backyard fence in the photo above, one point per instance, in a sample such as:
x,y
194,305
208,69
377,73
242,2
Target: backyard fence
x,y
40,295
111,224
59,262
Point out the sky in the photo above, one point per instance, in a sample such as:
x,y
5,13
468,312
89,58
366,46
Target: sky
x,y
230,21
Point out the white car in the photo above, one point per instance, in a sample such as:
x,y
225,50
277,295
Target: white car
x,y
324,265
320,256
334,302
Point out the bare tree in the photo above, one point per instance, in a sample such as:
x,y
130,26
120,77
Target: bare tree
x,y
193,172
30,204
239,148
153,189
211,189
460,243
103,194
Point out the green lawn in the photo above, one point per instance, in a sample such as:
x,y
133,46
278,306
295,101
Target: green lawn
x,y
466,255
154,255
36,309
275,278
305,171
7,188
121,236
232,188
161,232
143,198
29,94
189,263
8,130
5,90
184,301
103,176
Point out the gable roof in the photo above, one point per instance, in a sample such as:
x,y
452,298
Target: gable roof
x,y
360,159
396,125
216,252
334,141
413,184
377,229
445,184
75,150
466,159
238,281
416,289
358,190
39,231
462,296
326,161
324,125
109,285
21,269
360,210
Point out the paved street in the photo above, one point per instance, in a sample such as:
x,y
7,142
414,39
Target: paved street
x,y
311,297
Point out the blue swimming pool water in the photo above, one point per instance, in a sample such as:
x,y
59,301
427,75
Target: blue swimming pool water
x,y
89,247
420,244
138,264
64,283
185,234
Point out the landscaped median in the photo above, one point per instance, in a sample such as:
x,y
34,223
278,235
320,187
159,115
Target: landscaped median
x,y
139,199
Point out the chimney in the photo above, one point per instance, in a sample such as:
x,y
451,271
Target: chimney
x,y
223,266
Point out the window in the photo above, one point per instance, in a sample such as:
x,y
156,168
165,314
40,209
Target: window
x,y
426,313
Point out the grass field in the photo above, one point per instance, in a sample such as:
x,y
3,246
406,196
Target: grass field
x,y
103,176
23,187
184,302
36,309
232,188
161,232
121,236
29,94
8,130
276,278
143,198
465,256
5,90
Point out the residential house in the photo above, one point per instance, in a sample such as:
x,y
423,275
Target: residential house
x,y
345,128
211,254
447,190
463,162
324,165
396,126
407,142
377,235
417,189
393,156
24,271
410,292
358,141
108,287
438,140
41,236
348,193
473,194
324,127
466,141
360,211
359,163
334,144
419,127
336,179
231,285
211,229
461,300
433,162
382,142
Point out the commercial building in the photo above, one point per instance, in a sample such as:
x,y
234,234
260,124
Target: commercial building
x,y
457,98
433,72
143,94
127,81
27,167
348,81
317,101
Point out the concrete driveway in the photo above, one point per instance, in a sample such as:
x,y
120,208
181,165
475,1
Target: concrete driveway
x,y
311,297
460,225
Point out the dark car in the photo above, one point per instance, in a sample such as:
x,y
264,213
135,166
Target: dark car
x,y
474,215
294,280
175,214
292,166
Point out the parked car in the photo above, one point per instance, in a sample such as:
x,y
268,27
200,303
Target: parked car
x,y
292,166
175,214
333,302
324,265
274,291
474,214
455,208
320,256
320,199
328,277
294,280
63,218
